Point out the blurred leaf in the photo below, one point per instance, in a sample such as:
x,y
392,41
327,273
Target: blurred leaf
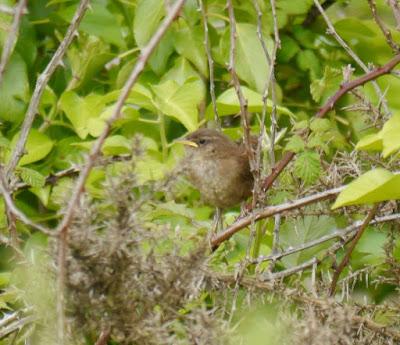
x,y
373,186
116,145
180,72
371,142
14,90
295,144
308,61
390,135
321,89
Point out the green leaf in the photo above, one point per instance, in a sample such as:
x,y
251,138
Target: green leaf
x,y
116,145
373,186
37,147
320,125
289,48
14,90
148,15
189,44
324,87
180,102
390,135
251,62
295,144
297,232
228,103
81,110
180,72
98,21
308,167
308,61
31,177
371,142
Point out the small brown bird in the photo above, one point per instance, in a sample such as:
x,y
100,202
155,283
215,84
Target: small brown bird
x,y
218,167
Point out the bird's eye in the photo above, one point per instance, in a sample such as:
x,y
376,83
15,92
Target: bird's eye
x,y
202,141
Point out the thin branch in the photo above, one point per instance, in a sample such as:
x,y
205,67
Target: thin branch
x,y
41,83
313,12
396,11
344,88
62,228
386,32
236,83
9,45
353,55
346,258
338,233
210,62
271,211
104,336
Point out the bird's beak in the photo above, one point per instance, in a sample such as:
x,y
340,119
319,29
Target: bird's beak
x,y
187,142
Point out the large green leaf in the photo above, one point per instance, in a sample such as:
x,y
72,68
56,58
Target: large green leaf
x,y
147,17
228,103
374,186
390,134
180,102
251,62
37,146
14,90
189,43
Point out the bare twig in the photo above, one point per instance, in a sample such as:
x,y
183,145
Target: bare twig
x,y
10,10
236,83
344,88
41,83
338,233
346,258
396,11
104,336
12,37
386,32
313,13
353,55
210,62
271,211
63,226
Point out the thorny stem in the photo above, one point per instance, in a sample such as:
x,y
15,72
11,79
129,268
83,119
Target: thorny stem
x,y
353,244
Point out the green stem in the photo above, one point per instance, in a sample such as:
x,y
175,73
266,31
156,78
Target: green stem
x,y
163,136
258,239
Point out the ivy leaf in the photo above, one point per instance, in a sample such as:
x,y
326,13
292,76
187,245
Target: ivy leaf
x,y
31,177
37,147
148,15
180,102
308,167
373,186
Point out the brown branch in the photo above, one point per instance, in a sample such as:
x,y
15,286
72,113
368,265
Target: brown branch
x,y
15,211
104,336
210,62
41,83
271,211
353,55
346,258
386,32
344,88
63,226
9,45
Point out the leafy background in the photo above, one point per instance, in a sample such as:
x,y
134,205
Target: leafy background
x,y
139,173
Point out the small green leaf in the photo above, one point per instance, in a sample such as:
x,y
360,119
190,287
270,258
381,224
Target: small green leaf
x,y
37,147
308,61
295,144
31,177
116,145
373,186
324,87
320,125
308,167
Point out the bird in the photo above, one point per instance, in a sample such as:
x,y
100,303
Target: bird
x,y
218,167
